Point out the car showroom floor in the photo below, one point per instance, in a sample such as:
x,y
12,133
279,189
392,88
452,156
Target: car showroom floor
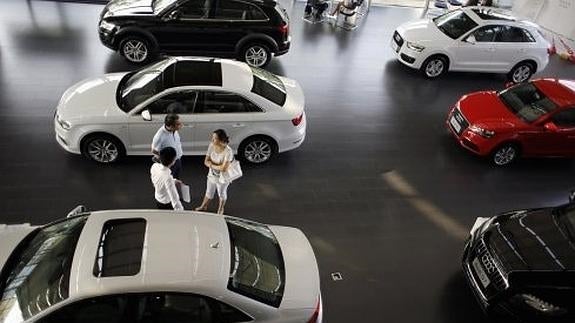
x,y
382,191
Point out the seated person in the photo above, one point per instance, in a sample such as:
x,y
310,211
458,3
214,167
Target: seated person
x,y
318,5
350,5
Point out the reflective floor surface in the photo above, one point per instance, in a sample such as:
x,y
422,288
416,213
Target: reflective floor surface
x,y
373,186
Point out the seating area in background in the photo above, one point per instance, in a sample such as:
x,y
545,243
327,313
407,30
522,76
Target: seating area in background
x,y
346,14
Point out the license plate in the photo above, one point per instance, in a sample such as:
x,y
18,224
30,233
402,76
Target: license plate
x,y
455,124
480,272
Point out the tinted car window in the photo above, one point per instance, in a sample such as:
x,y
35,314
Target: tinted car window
x,y
136,88
120,248
527,102
224,102
257,267
486,34
107,309
510,34
455,23
175,308
194,9
180,103
40,275
232,10
565,119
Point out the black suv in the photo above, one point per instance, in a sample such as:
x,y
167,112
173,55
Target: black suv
x,y
523,263
249,30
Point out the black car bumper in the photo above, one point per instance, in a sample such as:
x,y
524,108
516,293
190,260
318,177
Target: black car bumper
x,y
107,39
283,48
469,276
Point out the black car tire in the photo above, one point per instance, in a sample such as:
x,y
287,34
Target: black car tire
x,y
103,148
256,54
505,154
435,66
521,72
136,49
257,149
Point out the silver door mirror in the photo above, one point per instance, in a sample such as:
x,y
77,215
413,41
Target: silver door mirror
x,y
471,39
172,15
146,115
77,210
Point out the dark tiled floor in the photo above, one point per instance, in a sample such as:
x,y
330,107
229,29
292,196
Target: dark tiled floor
x,y
367,115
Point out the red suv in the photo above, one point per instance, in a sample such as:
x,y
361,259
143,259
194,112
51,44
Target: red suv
x,y
533,119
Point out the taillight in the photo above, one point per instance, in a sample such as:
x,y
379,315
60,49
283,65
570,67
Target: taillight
x,y
284,29
297,120
314,318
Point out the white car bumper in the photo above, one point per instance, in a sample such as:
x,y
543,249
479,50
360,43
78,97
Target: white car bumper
x,y
65,140
293,141
405,55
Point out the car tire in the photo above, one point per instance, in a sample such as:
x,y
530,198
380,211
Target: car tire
x,y
521,72
257,149
505,154
256,54
435,66
103,149
136,49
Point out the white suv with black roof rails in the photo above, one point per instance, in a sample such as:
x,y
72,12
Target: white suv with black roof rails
x,y
472,39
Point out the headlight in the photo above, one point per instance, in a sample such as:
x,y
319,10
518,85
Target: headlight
x,y
414,46
482,132
540,305
109,27
63,123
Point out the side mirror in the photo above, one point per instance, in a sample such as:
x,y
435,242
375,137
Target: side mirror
x,y
146,115
172,15
471,39
572,196
550,126
77,210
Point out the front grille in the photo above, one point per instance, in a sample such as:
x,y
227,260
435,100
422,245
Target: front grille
x,y
489,265
398,39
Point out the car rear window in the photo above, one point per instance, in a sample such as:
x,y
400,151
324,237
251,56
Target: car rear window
x,y
120,248
257,266
268,86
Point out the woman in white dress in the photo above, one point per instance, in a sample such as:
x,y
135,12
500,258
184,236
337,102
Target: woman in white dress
x,y
218,158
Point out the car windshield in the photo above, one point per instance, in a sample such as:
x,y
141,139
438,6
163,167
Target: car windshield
x,y
565,216
269,86
527,101
40,273
159,5
257,266
142,85
455,23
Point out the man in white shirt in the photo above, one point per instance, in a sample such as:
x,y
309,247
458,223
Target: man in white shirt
x,y
168,136
166,193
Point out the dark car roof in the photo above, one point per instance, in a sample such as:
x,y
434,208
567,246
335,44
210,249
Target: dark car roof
x,y
562,92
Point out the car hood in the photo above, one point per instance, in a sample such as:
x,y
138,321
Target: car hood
x,y
127,8
486,109
11,235
302,289
91,97
532,240
422,31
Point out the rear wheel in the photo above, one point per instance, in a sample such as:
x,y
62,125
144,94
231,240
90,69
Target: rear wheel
x,y
136,49
103,149
257,55
505,154
257,150
521,72
434,66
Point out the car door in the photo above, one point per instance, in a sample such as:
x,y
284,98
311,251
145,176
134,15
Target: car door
x,y
104,309
475,50
511,46
564,132
242,18
218,109
141,131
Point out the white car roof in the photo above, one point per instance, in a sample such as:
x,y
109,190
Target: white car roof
x,y
490,15
183,251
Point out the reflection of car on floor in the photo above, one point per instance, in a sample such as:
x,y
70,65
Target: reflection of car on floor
x,y
523,263
144,266
473,39
107,117
249,30
533,119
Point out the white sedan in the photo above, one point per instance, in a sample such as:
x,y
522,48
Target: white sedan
x,y
118,114
144,266
474,39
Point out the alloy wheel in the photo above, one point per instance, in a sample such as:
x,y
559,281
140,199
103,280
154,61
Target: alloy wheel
x,y
135,50
256,56
521,74
434,67
258,151
103,150
504,155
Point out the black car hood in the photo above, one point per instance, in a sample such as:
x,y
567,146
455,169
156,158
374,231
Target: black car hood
x,y
128,8
531,240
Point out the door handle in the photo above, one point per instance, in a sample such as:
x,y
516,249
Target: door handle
x,y
238,125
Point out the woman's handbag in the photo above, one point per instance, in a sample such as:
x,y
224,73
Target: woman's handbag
x,y
234,172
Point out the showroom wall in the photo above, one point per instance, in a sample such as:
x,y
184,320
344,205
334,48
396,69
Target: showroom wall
x,y
555,15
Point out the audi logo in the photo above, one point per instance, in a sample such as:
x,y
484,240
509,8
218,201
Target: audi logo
x,y
488,264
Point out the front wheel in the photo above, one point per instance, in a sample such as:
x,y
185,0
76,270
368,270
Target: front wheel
x,y
257,55
505,154
136,49
521,72
103,149
257,150
434,67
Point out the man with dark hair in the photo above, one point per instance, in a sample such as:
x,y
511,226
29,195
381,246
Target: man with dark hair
x,y
168,136
165,191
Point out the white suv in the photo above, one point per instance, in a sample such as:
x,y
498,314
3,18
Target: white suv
x,y
475,39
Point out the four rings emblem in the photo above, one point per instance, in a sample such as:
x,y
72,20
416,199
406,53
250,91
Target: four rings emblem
x,y
488,264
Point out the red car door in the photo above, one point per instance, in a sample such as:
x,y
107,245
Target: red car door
x,y
564,121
